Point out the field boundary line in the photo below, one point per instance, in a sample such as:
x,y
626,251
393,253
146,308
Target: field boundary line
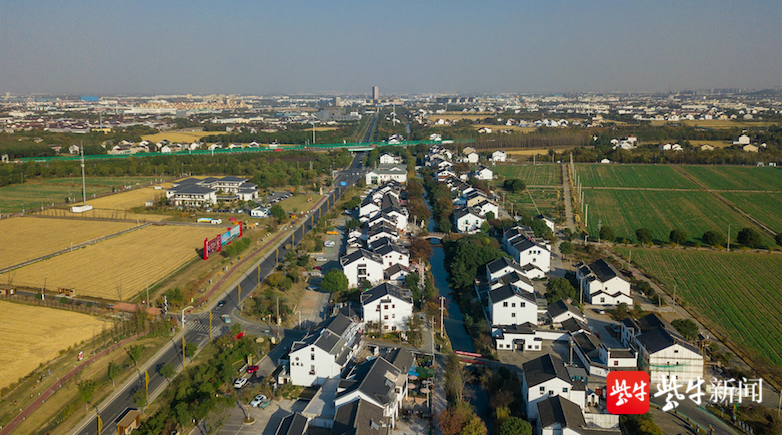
x,y
768,230
70,249
56,386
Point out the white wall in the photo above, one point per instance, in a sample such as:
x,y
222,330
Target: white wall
x,y
394,312
374,272
517,311
539,256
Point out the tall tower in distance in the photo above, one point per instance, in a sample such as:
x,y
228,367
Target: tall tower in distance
x,y
375,93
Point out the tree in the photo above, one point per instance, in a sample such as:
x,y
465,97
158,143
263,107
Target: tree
x,y
190,349
334,281
714,238
515,426
644,235
778,238
86,390
135,353
566,248
353,223
420,249
474,426
559,289
607,234
514,185
114,371
278,212
686,327
411,280
168,371
750,238
677,236
140,398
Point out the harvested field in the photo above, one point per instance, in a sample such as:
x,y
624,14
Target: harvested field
x,y
499,128
102,181
535,175
635,176
23,348
115,206
661,211
179,136
737,177
34,237
119,268
731,290
717,123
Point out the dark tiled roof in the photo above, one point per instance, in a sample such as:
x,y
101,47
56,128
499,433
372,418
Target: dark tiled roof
x,y
386,289
574,325
558,410
658,339
464,211
360,418
500,263
604,271
294,424
561,307
401,358
545,368
393,270
507,291
522,244
389,248
358,254
374,379
513,277
192,189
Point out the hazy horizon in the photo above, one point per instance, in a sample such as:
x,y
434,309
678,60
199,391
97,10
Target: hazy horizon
x,y
243,47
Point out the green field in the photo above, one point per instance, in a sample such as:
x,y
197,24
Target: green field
x,y
661,211
300,202
103,181
731,290
546,199
536,175
30,196
765,207
633,176
737,177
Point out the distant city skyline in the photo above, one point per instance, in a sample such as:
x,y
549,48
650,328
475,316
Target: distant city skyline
x,y
89,47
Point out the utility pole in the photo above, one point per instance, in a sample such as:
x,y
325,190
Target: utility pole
x,y
728,237
586,216
599,228
674,298
278,311
147,295
442,309
183,351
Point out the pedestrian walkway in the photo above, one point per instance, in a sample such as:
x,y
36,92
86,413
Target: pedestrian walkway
x,y
51,390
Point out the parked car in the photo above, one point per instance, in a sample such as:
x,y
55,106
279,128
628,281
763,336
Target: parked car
x,y
221,303
318,267
321,259
240,382
255,403
330,244
332,232
252,369
313,288
226,318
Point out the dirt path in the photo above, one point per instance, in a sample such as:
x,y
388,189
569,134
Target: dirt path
x,y
569,222
51,390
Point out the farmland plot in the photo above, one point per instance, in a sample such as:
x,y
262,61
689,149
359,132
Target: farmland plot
x,y
765,207
32,237
633,176
731,290
536,175
118,268
30,196
737,177
661,211
21,350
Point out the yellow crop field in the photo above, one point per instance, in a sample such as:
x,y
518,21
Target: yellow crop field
x,y
717,123
32,335
121,267
35,237
113,206
179,136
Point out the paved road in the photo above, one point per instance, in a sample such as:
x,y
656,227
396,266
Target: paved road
x,y
113,408
566,194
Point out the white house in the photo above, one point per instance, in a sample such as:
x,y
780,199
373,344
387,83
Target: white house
x,y
192,195
509,305
498,156
560,416
362,265
515,279
324,352
525,251
260,212
368,208
376,382
483,173
381,231
487,206
501,267
546,377
385,173
549,222
602,284
388,306
392,254
562,310
389,159
468,219
663,350
471,158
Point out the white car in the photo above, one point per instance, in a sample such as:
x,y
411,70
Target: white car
x,y
258,400
240,382
321,259
330,244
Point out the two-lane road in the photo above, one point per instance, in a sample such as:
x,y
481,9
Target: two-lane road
x,y
198,332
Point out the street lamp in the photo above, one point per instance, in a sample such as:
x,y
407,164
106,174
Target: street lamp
x,y
183,315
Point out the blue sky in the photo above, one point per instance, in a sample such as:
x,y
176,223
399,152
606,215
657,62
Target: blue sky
x,y
301,46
